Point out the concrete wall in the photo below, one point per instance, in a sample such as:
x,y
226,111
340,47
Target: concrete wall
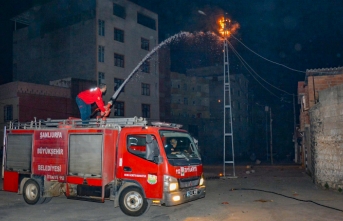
x,y
133,54
316,80
195,90
60,43
327,138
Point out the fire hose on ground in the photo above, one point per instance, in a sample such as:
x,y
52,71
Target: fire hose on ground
x,y
306,201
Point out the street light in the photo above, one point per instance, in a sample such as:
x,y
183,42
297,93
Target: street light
x,y
269,145
271,133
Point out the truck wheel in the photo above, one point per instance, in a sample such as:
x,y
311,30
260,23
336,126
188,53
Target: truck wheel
x,y
132,201
31,192
47,199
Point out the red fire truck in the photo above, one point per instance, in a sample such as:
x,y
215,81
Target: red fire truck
x,y
125,160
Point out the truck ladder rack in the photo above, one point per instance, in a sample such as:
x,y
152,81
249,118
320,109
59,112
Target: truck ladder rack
x,y
77,123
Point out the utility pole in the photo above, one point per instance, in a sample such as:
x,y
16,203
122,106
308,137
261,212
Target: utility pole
x,y
295,134
271,135
266,109
227,132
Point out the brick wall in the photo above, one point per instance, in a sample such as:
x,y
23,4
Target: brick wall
x,y
43,107
316,80
327,137
318,83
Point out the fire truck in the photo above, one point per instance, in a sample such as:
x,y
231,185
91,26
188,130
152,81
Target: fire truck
x,y
125,160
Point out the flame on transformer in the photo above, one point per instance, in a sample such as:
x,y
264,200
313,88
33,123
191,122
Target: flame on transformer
x,y
227,27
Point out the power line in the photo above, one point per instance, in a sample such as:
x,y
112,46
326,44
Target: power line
x,y
266,58
240,58
245,64
259,75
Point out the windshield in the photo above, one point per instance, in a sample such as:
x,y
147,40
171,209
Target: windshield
x,y
178,145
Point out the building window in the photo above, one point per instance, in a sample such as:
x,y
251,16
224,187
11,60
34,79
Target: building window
x,y
119,11
8,112
101,78
185,100
146,89
101,27
117,83
146,21
145,44
185,87
146,110
118,60
239,93
118,35
119,108
146,67
101,53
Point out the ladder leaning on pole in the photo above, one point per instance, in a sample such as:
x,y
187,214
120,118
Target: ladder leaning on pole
x,y
228,132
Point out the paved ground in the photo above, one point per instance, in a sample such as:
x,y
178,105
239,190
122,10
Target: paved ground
x,y
276,196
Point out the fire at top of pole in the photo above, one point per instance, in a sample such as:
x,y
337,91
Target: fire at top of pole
x,y
227,27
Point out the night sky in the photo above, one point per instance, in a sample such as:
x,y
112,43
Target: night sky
x,y
300,34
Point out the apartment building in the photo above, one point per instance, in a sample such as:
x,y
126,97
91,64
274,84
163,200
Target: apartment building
x,y
96,40
239,103
189,96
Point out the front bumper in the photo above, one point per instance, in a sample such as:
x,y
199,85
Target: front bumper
x,y
182,193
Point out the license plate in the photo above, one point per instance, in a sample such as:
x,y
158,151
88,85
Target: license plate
x,y
192,192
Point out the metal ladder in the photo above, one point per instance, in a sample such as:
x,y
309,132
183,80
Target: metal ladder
x,y
228,132
77,123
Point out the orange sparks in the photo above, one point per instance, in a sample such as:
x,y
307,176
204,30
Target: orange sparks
x,y
227,27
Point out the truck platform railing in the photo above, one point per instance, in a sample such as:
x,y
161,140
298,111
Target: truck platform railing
x,y
78,123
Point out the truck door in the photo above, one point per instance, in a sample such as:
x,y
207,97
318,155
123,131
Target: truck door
x,y
137,163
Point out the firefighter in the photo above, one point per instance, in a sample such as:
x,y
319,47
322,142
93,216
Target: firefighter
x,y
170,148
173,143
85,98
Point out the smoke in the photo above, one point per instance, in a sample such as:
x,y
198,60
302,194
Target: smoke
x,y
204,19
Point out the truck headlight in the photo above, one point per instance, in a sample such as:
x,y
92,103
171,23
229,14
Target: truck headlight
x,y
202,180
170,183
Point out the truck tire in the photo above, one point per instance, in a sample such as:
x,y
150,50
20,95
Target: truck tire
x,y
46,200
32,192
132,201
